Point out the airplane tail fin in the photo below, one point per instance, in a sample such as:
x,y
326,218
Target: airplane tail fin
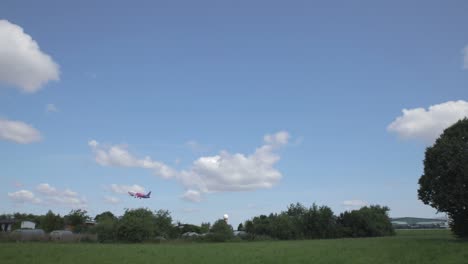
x,y
149,194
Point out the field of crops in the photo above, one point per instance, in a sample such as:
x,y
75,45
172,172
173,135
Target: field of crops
x,y
411,246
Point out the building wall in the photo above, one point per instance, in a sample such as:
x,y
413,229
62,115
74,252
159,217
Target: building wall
x,y
28,225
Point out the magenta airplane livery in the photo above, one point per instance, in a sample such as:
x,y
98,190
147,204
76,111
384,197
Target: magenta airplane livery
x,y
140,195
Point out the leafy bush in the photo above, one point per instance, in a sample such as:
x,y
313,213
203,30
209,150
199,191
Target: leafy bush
x,y
50,222
163,227
299,222
106,229
366,222
136,225
77,220
220,232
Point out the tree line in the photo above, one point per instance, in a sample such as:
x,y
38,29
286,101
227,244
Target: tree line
x,y
75,220
297,222
319,222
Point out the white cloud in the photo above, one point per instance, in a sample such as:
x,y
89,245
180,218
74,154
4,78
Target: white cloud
x,y
66,198
124,189
51,108
46,189
111,200
192,196
18,132
354,203
219,173
278,139
118,156
237,172
22,63
69,202
427,125
465,58
93,143
70,193
24,196
49,195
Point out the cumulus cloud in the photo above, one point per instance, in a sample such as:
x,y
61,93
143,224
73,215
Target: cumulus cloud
x,y
24,196
465,58
46,189
124,189
51,108
427,125
22,63
111,199
66,198
67,201
354,203
70,193
93,143
49,195
118,156
18,132
278,139
192,196
207,174
237,172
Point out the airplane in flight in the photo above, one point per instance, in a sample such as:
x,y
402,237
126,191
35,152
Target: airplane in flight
x,y
140,195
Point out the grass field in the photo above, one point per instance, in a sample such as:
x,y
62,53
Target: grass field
x,y
411,246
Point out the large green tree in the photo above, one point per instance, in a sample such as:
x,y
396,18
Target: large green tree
x,y
51,221
221,231
136,225
369,221
163,223
77,220
106,228
105,215
444,184
205,227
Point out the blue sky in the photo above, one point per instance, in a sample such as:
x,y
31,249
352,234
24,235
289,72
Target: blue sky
x,y
190,85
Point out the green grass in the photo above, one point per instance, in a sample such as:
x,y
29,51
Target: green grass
x,y
409,246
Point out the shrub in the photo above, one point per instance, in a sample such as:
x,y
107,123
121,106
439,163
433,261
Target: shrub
x,y
106,229
135,225
220,232
366,222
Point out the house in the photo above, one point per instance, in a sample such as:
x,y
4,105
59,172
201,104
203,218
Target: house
x,y
6,224
28,225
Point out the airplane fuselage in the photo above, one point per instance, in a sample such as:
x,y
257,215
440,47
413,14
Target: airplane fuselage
x,y
140,195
